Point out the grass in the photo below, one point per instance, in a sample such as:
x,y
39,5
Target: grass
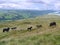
x,y
43,36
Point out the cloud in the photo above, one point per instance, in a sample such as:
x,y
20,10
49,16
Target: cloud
x,y
31,4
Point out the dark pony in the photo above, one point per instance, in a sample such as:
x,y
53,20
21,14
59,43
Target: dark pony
x,y
6,29
38,26
30,28
14,28
52,24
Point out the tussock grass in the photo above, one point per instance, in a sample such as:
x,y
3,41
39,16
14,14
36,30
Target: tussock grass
x,y
43,36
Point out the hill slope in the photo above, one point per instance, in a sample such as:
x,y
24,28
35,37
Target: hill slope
x,y
43,36
21,14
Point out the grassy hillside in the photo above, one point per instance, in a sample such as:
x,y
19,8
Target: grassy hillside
x,y
21,14
42,36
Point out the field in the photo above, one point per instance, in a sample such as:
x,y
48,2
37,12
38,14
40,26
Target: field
x,y
43,36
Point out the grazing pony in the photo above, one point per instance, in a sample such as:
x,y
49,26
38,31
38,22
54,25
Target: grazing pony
x,y
6,29
29,28
38,26
13,28
52,24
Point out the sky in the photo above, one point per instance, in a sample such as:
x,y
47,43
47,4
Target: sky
x,y
31,4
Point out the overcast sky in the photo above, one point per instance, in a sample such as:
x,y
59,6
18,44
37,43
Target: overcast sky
x,y
31,4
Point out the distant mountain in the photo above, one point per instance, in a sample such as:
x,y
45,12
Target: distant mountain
x,y
55,13
49,16
21,14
